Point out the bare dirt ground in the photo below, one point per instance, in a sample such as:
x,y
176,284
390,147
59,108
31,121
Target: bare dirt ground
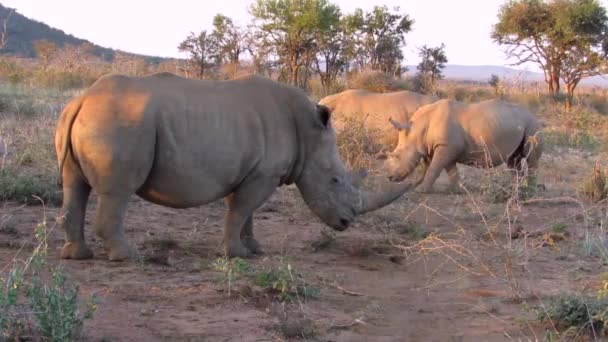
x,y
432,267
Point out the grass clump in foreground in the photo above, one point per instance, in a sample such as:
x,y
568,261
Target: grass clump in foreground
x,y
284,281
27,189
34,291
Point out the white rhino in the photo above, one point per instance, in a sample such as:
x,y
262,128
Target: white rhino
x,y
484,135
375,109
182,143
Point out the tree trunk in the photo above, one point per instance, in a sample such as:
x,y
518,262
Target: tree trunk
x,y
293,65
570,94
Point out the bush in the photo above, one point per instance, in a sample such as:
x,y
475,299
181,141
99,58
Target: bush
x,y
356,144
54,305
284,281
371,80
575,311
26,189
595,187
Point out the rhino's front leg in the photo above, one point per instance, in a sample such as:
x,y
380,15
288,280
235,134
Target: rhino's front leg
x,y
443,156
238,230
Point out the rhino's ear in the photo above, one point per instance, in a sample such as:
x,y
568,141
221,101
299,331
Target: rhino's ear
x,y
401,127
324,115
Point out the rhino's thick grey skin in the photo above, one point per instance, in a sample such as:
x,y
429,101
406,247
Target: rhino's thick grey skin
x,y
375,109
484,134
183,143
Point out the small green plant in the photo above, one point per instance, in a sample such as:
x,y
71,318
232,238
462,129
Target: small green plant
x,y
284,280
54,304
287,282
232,270
559,228
595,187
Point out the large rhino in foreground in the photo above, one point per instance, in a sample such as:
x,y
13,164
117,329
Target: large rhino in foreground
x,y
484,134
182,143
375,109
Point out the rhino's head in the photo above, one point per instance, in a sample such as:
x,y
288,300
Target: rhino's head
x,y
328,189
402,161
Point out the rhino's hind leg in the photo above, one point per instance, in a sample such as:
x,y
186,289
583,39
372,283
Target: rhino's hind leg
x,y
239,218
453,177
248,239
109,220
75,196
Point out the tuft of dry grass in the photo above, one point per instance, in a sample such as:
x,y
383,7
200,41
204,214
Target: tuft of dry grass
x,y
356,144
595,187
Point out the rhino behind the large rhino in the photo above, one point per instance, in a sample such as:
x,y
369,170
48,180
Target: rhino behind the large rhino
x,y
483,134
374,109
183,143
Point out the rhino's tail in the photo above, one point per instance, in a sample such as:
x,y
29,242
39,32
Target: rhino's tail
x,y
64,131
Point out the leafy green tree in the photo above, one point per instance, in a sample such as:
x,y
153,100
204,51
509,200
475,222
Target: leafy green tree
x,y
291,29
567,39
230,39
202,49
379,37
496,83
585,41
333,52
430,68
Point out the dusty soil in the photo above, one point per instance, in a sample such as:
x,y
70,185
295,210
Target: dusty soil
x,y
432,267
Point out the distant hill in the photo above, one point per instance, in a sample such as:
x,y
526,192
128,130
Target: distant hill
x,y
482,73
23,32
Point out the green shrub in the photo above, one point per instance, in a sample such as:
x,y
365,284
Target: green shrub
x,y
284,281
24,188
575,311
54,305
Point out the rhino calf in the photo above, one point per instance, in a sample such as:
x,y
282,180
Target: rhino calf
x,y
183,143
484,134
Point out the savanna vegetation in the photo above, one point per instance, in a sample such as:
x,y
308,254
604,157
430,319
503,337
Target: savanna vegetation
x,y
499,260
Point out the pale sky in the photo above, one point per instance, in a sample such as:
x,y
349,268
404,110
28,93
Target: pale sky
x,y
156,27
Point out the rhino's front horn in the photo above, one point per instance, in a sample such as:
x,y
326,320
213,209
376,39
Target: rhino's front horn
x,y
400,127
372,201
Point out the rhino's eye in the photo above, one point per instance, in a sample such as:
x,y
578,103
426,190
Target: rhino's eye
x,y
335,180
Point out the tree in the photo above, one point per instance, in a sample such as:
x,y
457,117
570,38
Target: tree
x,y
332,55
585,42
230,39
290,28
496,83
202,49
430,67
567,39
45,51
380,36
